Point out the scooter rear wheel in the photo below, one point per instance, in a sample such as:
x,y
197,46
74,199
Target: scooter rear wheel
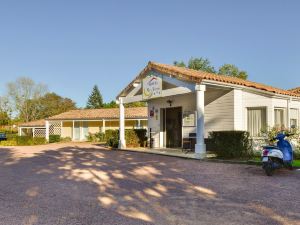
x,y
269,169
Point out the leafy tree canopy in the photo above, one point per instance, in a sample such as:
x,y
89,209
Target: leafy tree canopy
x,y
51,104
21,93
204,64
113,104
95,100
201,64
4,118
179,63
233,71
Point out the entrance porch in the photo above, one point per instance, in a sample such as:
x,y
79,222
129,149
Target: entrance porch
x,y
179,111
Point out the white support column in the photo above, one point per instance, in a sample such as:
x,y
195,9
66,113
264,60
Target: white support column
x,y
103,126
200,148
19,131
47,130
73,131
61,127
288,114
33,132
122,142
139,124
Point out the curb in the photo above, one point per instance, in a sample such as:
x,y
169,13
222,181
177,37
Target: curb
x,y
245,162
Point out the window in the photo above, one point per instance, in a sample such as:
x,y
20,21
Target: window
x,y
279,120
294,117
256,121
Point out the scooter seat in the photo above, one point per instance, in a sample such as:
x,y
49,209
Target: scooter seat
x,y
271,147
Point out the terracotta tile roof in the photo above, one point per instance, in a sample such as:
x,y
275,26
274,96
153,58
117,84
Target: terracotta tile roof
x,y
111,113
198,76
295,90
36,123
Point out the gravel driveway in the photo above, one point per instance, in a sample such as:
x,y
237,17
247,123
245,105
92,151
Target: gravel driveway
x,y
86,184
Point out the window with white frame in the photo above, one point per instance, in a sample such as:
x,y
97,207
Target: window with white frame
x,y
279,118
256,121
294,115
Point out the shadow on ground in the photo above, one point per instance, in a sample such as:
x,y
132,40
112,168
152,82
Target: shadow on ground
x,y
92,185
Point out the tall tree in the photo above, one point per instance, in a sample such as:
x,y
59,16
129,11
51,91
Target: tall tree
x,y
202,64
21,93
95,100
179,63
49,105
233,71
111,104
5,111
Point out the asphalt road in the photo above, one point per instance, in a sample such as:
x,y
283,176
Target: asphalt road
x,y
86,184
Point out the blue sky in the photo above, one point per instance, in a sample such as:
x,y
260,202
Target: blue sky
x,y
72,45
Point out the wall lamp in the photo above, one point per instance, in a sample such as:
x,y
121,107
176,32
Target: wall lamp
x,y
170,102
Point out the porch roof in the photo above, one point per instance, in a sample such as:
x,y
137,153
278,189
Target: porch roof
x,y
196,76
36,123
95,114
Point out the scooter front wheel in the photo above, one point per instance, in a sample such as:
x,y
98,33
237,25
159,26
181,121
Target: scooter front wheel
x,y
268,167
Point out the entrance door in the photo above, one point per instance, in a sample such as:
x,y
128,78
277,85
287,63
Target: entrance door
x,y
85,130
173,126
77,131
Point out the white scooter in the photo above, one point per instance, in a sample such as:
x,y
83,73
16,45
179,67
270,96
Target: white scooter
x,y
275,157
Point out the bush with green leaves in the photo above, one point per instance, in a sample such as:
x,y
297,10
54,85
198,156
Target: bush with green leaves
x,y
54,138
112,138
97,137
27,140
65,139
231,144
133,137
294,136
8,143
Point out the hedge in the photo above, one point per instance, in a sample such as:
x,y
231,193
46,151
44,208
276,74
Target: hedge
x,y
230,144
54,138
133,137
27,140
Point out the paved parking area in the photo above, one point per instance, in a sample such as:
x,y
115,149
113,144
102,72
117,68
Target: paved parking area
x,y
86,184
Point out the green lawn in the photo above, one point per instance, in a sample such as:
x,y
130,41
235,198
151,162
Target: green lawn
x,y
296,162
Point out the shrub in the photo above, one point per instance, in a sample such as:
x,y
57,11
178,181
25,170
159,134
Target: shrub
x,y
112,138
231,144
11,136
134,138
24,140
27,140
8,143
39,140
54,138
65,139
100,136
97,137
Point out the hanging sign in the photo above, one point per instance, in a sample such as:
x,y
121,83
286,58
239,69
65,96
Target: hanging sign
x,y
152,87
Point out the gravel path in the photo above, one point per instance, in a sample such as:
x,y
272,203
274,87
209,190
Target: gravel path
x,y
87,184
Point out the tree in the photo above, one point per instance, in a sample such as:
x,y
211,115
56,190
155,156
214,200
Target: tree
x,y
202,64
49,105
21,93
95,100
179,63
4,118
135,104
233,71
111,104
